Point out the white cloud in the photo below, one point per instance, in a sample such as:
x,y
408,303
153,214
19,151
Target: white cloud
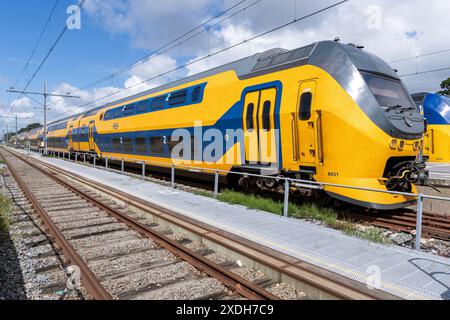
x,y
152,72
149,22
405,29
22,102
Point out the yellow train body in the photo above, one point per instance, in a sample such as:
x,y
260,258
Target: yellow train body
x,y
337,140
437,143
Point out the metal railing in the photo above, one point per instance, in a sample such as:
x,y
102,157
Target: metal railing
x,y
288,182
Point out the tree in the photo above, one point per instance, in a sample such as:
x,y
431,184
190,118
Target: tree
x,y
30,127
445,85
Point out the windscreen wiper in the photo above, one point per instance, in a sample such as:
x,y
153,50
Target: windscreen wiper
x,y
389,108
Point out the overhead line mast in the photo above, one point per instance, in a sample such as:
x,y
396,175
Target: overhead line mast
x,y
45,94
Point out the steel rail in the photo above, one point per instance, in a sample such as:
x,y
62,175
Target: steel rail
x,y
434,226
90,282
338,289
238,284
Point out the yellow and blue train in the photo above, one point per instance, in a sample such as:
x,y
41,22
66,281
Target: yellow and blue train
x,y
436,108
327,112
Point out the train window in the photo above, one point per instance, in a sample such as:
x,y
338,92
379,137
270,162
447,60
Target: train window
x,y
127,145
117,145
128,110
389,93
109,115
157,145
178,98
250,111
84,133
141,146
305,106
196,94
159,102
118,113
266,115
141,106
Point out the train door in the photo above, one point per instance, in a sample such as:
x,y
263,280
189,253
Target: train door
x,y
266,126
250,119
259,127
71,138
91,136
306,122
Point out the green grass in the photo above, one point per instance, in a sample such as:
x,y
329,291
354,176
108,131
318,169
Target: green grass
x,y
204,194
5,208
371,234
304,211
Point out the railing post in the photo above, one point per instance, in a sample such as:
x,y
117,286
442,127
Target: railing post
x,y
143,169
84,157
122,166
173,177
216,184
76,157
419,221
95,160
106,162
286,198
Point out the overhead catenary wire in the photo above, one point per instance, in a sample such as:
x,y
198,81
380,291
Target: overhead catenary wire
x,y
178,41
44,60
209,55
33,52
424,72
420,56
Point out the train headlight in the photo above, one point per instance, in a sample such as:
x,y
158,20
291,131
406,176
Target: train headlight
x,y
401,145
394,143
416,145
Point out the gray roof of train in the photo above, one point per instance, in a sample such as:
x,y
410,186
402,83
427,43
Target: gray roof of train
x,y
323,53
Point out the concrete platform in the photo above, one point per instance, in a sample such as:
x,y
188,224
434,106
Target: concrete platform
x,y
405,273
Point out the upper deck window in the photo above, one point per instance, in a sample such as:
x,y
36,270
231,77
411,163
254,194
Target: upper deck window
x,y
118,113
109,115
178,98
128,110
159,102
142,106
196,94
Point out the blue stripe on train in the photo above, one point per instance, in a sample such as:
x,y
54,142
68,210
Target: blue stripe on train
x,y
231,120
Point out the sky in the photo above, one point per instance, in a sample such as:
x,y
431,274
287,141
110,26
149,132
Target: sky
x,y
114,34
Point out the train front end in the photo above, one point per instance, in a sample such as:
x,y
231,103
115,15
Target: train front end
x,y
437,141
373,133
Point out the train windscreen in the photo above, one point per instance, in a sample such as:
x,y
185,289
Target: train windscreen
x,y
389,93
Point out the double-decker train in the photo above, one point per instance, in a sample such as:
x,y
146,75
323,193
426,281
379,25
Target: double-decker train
x,y
436,109
327,112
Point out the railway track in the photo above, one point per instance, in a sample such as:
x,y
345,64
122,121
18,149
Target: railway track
x,y
434,225
120,257
317,283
